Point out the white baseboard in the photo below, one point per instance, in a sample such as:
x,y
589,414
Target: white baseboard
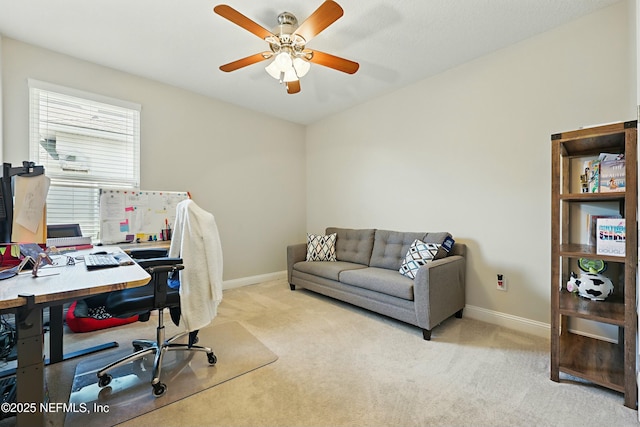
x,y
252,280
523,325
508,321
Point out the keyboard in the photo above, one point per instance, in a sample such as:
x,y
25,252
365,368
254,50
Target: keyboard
x,y
96,261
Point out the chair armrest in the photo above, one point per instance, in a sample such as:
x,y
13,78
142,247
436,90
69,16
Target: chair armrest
x,y
158,269
439,290
156,262
295,253
148,253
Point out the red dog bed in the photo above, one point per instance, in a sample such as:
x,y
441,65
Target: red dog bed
x,y
90,315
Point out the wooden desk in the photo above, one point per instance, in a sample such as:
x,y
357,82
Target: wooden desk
x,y
28,295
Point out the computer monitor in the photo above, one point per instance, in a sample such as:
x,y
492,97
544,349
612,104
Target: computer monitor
x,y
63,230
6,194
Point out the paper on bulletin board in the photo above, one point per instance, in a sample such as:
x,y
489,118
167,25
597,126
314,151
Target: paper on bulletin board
x,y
29,213
126,214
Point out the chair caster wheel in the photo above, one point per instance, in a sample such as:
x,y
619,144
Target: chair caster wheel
x,y
212,358
104,380
159,389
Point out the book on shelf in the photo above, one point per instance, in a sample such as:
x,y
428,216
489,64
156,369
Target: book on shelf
x,y
612,175
592,226
611,236
605,174
590,178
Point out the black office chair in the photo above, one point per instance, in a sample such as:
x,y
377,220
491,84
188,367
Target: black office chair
x,y
156,295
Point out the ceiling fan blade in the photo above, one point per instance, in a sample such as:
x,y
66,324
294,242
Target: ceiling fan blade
x,y
334,62
293,87
239,19
325,15
249,60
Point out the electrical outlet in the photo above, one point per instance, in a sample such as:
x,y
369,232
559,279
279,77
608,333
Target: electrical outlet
x,y
502,282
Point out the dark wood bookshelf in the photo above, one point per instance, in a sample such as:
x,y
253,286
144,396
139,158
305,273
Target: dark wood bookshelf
x,y
594,359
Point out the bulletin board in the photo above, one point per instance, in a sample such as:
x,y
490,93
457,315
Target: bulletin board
x,y
127,215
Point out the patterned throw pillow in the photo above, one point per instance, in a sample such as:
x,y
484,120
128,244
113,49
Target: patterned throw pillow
x,y
420,253
99,313
321,248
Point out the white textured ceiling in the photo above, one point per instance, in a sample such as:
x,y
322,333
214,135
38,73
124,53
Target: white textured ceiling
x,y
183,42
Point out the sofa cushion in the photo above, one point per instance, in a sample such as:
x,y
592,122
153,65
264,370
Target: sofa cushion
x,y
390,247
327,269
381,280
321,248
419,254
353,245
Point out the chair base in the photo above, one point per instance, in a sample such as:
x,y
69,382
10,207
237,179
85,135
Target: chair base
x,y
159,347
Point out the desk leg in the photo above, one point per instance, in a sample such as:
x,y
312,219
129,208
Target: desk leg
x,y
30,370
56,339
56,332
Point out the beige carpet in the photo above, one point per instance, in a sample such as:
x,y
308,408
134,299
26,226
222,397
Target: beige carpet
x,y
342,366
129,393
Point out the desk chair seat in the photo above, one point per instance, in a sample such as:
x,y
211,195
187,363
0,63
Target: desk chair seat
x,y
155,295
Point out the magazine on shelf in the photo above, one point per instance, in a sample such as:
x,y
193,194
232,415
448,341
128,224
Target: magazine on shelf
x,y
611,236
592,226
612,175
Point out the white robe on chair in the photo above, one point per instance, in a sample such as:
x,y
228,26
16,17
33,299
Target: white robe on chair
x,y
195,239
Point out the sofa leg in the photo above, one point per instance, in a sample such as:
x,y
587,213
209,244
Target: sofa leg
x,y
459,314
426,334
293,287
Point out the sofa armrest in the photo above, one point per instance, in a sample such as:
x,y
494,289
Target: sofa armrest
x,y
295,253
439,290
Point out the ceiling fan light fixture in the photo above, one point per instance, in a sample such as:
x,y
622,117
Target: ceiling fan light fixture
x,y
301,66
283,60
290,75
284,68
273,70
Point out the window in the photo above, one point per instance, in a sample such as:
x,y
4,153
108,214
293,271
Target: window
x,y
85,142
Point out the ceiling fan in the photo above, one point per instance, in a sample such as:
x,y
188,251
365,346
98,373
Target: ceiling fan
x,y
287,43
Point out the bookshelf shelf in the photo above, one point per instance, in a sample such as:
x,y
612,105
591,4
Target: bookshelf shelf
x,y
574,250
610,311
608,364
593,197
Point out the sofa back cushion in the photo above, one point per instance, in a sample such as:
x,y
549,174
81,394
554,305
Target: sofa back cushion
x,y
353,245
390,247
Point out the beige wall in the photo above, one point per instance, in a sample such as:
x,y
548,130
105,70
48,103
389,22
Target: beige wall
x,y
234,162
468,151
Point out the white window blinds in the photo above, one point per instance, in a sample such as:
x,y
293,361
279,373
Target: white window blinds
x,y
85,142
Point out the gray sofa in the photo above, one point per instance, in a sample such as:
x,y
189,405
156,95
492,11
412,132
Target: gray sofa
x,y
366,274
